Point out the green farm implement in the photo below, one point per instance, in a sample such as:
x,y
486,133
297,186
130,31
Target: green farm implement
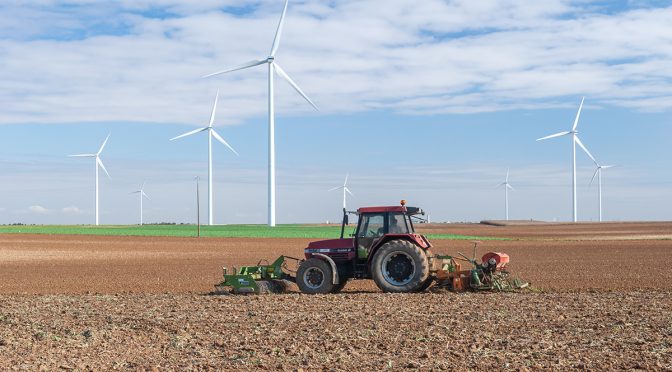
x,y
259,279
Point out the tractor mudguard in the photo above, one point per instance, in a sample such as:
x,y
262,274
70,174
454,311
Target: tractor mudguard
x,y
334,278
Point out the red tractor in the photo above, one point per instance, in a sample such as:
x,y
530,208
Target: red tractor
x,y
384,248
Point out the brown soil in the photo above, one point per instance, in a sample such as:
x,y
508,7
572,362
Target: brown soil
x,y
372,331
573,231
39,264
82,302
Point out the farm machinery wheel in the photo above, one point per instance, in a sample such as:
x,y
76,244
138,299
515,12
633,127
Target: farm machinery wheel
x,y
271,286
400,266
314,277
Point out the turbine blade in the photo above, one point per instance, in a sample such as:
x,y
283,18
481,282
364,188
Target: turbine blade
x,y
189,133
507,174
335,188
349,192
134,192
82,156
239,67
214,109
145,195
278,32
594,174
578,113
500,185
346,179
220,139
553,136
103,145
578,141
100,162
509,187
608,166
291,82
143,186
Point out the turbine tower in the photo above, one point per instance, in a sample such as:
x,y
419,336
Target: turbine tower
x,y
98,162
345,189
598,173
575,141
211,133
507,186
273,68
142,194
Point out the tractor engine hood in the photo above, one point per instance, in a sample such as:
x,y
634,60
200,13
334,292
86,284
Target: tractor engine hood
x,y
332,244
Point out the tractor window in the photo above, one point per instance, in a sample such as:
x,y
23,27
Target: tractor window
x,y
397,223
372,225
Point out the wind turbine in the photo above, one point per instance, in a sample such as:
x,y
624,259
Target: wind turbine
x,y
345,190
598,173
98,163
507,186
211,133
575,141
273,68
142,194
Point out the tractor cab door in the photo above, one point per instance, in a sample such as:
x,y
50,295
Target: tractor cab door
x,y
370,229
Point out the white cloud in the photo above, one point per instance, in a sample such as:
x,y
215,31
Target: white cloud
x,y
72,210
120,63
38,209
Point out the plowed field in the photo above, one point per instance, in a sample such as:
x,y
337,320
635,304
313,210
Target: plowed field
x,y
86,302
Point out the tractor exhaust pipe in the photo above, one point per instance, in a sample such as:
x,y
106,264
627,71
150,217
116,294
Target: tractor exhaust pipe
x,y
345,222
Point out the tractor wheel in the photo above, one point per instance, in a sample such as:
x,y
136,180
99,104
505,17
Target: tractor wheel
x,y
400,266
339,287
314,277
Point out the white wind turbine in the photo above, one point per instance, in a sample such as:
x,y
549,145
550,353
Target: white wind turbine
x,y
211,133
97,163
598,173
507,186
273,68
142,194
345,189
575,141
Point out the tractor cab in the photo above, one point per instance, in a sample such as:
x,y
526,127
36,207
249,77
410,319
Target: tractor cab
x,y
375,223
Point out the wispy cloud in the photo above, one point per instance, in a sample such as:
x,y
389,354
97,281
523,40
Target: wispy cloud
x,y
72,210
38,209
141,61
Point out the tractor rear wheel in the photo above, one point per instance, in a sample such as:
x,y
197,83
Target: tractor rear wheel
x,y
314,276
400,266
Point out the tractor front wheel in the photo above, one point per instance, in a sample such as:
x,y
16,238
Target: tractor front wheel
x,y
400,266
314,276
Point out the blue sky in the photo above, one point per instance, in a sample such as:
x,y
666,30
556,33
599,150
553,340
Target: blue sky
x,y
428,101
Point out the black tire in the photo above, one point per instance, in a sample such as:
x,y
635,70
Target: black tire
x,y
339,287
400,266
314,276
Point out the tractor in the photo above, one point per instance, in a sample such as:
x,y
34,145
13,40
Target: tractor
x,y
385,248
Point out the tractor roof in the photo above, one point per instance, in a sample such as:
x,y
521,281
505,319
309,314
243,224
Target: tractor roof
x,y
395,208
